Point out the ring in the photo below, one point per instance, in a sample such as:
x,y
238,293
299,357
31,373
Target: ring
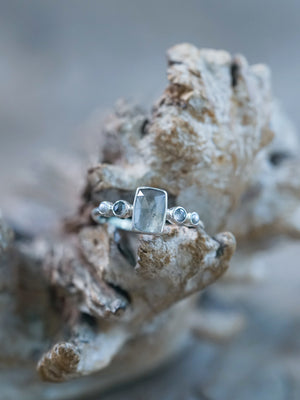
x,y
148,214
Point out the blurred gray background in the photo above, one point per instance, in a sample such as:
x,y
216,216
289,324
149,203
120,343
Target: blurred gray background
x,y
60,60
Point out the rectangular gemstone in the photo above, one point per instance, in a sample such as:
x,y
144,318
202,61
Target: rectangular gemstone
x,y
149,210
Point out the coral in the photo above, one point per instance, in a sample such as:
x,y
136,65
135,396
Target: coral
x,y
95,299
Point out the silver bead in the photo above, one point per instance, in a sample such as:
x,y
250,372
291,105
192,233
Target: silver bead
x,y
105,209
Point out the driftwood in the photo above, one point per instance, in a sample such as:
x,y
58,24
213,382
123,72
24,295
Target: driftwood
x,y
84,298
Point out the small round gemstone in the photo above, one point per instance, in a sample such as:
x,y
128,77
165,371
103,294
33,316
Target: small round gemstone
x,y
179,214
195,218
103,208
119,208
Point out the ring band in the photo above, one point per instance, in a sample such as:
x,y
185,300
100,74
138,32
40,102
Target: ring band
x,y
147,215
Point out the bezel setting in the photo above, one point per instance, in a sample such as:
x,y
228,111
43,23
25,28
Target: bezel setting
x,y
195,219
179,215
122,209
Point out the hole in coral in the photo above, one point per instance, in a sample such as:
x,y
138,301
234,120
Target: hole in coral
x,y
120,291
124,247
144,127
235,72
89,320
278,157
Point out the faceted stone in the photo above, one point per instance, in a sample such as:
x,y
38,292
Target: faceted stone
x,y
179,214
149,211
119,208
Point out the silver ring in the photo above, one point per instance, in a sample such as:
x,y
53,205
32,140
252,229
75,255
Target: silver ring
x,y
148,214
